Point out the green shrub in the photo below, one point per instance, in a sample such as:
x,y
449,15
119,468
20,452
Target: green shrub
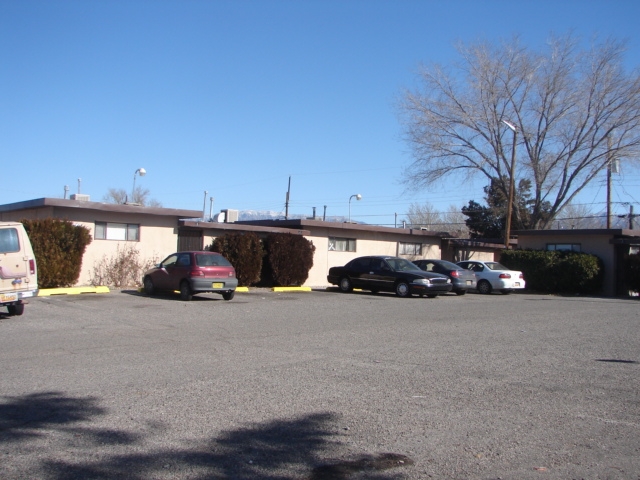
x,y
58,246
632,273
556,271
245,252
289,259
124,269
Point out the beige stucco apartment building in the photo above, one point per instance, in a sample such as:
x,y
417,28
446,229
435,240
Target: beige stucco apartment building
x,y
157,232
612,246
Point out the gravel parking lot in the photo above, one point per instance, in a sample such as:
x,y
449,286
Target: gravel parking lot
x,y
320,385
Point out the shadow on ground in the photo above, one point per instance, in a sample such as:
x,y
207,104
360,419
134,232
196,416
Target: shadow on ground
x,y
308,447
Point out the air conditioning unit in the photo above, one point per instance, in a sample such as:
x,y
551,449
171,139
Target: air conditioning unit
x,y
80,196
231,216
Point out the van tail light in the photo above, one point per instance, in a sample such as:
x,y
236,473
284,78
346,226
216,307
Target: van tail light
x,y
454,273
32,266
505,275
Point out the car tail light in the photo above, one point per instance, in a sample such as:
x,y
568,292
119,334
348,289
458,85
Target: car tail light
x,y
455,273
32,266
196,273
505,275
522,276
232,273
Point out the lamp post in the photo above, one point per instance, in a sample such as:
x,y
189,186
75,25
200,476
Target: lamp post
x,y
358,197
142,172
512,175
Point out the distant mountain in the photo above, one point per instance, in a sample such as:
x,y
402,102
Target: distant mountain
x,y
248,215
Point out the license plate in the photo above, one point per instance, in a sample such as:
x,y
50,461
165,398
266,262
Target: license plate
x,y
516,284
9,297
468,282
218,285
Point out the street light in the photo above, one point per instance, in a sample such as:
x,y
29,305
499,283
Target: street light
x,y
358,197
512,175
142,172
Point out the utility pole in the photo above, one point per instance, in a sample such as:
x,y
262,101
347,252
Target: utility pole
x,y
631,216
512,175
286,202
609,159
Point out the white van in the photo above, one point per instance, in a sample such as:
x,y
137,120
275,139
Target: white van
x,y
18,271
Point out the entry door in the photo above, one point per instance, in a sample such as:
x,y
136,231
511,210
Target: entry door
x,y
190,240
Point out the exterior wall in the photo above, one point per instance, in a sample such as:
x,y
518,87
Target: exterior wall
x,y
367,243
595,244
158,233
156,242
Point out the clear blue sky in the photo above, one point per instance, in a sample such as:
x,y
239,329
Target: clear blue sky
x,y
233,97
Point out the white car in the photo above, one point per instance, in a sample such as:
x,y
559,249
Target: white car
x,y
494,276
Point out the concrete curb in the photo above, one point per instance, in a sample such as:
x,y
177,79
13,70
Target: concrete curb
x,y
47,292
291,289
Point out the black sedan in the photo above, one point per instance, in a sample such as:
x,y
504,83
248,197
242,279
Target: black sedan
x,y
461,279
390,274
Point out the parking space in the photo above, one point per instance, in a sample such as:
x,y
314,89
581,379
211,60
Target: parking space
x,y
320,385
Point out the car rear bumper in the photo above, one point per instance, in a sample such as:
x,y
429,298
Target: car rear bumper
x,y
15,297
509,284
463,285
214,284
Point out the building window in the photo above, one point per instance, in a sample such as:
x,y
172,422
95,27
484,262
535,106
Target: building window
x,y
342,244
410,248
117,231
565,247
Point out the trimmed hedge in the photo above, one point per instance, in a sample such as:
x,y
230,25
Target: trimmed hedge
x,y
289,259
245,252
556,271
58,246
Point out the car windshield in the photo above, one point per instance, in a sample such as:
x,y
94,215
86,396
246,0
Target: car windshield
x,y
401,265
495,266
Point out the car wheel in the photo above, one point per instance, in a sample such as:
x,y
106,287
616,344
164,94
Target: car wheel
x,y
185,291
432,295
148,286
345,284
228,295
402,289
506,292
484,287
16,309
460,292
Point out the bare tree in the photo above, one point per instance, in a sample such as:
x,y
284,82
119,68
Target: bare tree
x,y
426,216
115,195
579,216
454,221
140,197
573,111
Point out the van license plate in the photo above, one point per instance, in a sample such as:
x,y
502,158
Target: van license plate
x,y
218,285
9,297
